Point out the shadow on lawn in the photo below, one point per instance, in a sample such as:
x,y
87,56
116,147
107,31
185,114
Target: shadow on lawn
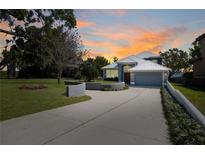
x,y
196,88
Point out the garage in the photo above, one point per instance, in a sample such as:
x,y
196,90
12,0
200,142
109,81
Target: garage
x,y
148,74
148,78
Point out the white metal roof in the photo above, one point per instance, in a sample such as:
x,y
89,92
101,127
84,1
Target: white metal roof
x,y
139,59
111,66
130,59
146,54
149,66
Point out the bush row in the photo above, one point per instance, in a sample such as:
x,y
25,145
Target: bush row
x,y
111,79
183,129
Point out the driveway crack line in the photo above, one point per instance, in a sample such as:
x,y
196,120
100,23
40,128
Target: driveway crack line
x,y
94,118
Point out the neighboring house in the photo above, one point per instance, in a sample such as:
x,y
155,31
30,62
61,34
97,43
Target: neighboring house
x,y
199,64
143,69
177,77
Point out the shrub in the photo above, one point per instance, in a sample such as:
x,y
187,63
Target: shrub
x,y
111,79
126,87
89,71
78,75
183,129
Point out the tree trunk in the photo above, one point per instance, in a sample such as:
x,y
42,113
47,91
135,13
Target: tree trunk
x,y
8,71
59,76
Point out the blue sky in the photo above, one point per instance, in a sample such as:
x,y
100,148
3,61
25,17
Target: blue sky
x,y
123,32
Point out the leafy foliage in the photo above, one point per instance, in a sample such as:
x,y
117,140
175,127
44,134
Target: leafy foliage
x,y
88,70
195,51
115,59
183,129
112,79
31,31
65,49
99,62
175,59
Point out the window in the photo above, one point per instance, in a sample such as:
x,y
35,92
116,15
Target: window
x,y
111,73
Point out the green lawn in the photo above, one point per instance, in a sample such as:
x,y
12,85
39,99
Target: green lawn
x,y
195,94
15,102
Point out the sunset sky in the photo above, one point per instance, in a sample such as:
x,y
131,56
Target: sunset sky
x,y
124,32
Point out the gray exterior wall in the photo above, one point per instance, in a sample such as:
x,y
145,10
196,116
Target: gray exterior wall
x,y
199,65
102,86
76,90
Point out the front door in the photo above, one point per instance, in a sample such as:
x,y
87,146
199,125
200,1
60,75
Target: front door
x,y
127,77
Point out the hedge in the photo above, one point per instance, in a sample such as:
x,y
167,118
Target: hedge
x,y
183,129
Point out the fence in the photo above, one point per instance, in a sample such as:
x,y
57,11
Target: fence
x,y
189,107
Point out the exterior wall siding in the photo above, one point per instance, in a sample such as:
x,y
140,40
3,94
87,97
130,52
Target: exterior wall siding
x,y
199,65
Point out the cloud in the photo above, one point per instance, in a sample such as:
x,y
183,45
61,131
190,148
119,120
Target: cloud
x,y
83,24
115,12
137,40
178,42
92,13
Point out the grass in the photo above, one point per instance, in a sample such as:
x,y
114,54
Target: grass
x,y
15,102
195,94
3,74
183,129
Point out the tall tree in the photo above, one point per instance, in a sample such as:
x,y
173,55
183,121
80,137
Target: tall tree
x,y
99,62
175,59
11,60
65,47
195,51
88,70
115,59
29,29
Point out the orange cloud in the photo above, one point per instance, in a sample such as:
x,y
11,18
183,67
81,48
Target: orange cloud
x,y
177,43
136,39
104,45
83,24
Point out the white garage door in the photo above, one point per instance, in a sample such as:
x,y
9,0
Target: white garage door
x,y
148,78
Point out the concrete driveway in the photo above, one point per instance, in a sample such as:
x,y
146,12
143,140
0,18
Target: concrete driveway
x,y
132,116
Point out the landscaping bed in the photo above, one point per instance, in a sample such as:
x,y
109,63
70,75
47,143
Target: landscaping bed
x,y
15,102
183,129
106,86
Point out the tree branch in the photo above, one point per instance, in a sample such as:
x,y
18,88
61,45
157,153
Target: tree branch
x,y
7,32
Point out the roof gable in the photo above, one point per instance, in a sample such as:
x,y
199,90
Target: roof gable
x,y
111,66
130,59
149,66
146,54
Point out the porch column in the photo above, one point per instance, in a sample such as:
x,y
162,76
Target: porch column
x,y
120,73
104,73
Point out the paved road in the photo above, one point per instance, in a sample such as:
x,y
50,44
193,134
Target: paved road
x,y
132,116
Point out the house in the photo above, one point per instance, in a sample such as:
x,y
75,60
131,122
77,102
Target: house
x,y
199,64
143,69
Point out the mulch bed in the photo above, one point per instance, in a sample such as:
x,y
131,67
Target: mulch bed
x,y
32,87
